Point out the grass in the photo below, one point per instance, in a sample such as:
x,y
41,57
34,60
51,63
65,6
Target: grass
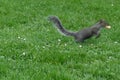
x,y
31,49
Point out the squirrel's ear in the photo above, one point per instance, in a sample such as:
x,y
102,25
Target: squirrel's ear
x,y
101,20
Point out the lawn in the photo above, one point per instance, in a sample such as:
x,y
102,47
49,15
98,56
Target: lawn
x,y
32,49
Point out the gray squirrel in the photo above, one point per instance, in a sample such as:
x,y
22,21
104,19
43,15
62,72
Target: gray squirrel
x,y
82,35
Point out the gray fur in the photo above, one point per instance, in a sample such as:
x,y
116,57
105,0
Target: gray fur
x,y
81,35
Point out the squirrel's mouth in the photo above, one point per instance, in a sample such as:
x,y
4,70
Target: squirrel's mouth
x,y
108,27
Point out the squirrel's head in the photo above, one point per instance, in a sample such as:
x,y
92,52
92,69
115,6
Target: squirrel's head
x,y
105,24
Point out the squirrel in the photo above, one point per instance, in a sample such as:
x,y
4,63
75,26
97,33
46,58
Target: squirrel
x,y
82,35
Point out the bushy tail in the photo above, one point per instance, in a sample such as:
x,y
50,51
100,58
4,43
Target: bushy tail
x,y
59,26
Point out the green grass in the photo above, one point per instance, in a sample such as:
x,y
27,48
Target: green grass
x,y
32,49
